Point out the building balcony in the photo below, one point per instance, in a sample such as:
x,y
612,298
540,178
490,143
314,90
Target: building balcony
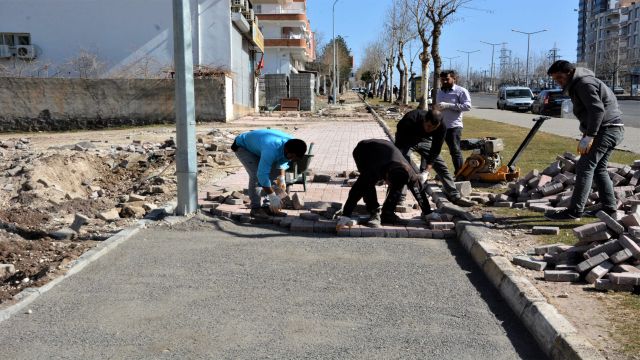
x,y
293,17
300,43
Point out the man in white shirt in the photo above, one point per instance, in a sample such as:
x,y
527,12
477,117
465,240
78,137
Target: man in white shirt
x,y
452,100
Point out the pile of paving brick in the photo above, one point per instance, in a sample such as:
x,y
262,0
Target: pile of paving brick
x,y
552,188
607,254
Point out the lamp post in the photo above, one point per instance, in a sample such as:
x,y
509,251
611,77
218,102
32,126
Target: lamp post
x,y
493,46
335,67
526,75
468,53
449,58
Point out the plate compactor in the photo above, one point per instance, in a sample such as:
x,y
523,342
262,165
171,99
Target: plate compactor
x,y
485,163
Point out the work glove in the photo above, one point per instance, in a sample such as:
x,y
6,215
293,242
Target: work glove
x,y
585,145
445,105
424,177
281,182
345,221
275,203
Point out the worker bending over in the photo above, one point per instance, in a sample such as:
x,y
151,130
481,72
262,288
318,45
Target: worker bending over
x,y
380,160
265,154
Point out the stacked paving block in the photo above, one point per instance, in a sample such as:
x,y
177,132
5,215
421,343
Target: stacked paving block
x,y
275,88
606,254
551,189
302,86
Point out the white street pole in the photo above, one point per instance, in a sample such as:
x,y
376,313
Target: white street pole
x,y
468,55
528,42
335,66
492,63
186,159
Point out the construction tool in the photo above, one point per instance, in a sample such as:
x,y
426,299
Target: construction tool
x,y
485,164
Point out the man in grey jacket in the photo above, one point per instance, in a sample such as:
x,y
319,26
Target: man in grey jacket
x,y
596,107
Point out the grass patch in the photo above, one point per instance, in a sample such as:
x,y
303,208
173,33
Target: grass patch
x,y
527,219
626,326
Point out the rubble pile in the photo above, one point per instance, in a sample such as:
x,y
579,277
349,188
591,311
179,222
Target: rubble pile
x,y
103,184
552,188
607,255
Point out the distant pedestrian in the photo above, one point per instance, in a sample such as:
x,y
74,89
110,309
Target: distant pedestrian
x,y
265,154
596,107
452,100
395,92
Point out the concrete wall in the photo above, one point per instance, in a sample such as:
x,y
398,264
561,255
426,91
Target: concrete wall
x,y
68,104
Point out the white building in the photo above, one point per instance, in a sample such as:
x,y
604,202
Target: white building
x,y
288,38
129,38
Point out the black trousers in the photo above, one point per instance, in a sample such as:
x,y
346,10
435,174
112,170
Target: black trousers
x,y
452,138
439,166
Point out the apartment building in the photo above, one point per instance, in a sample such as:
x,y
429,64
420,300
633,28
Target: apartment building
x,y
288,39
131,38
608,40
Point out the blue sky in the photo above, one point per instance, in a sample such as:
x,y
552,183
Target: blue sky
x,y
361,21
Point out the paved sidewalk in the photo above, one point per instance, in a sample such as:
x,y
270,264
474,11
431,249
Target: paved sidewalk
x,y
558,126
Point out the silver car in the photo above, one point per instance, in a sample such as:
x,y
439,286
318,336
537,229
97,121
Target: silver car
x,y
515,98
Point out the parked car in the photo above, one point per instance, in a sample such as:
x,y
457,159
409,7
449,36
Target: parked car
x,y
548,102
514,98
618,90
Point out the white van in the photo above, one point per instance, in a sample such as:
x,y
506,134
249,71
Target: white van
x,y
515,98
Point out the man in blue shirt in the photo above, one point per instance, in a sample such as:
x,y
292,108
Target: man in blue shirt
x,y
452,100
265,154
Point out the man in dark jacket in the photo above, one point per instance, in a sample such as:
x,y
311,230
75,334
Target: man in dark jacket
x,y
422,131
596,107
380,160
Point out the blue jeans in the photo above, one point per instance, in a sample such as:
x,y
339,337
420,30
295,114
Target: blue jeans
x,y
593,168
250,162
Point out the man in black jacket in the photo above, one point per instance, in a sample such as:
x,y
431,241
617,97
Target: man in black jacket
x,y
596,107
422,131
380,160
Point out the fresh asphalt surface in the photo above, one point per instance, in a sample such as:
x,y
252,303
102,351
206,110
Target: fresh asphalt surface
x,y
210,289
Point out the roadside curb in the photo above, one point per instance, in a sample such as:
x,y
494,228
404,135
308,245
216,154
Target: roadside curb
x,y
555,335
28,295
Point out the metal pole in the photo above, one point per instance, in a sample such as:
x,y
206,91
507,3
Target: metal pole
x,y
186,161
468,55
492,63
449,58
335,67
528,37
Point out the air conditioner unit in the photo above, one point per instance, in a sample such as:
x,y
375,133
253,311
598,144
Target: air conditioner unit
x,y
249,15
238,4
5,52
26,52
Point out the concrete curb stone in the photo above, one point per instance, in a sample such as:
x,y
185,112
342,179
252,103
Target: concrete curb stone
x,y
552,331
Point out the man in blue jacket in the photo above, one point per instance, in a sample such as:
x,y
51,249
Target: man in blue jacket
x,y
265,154
596,107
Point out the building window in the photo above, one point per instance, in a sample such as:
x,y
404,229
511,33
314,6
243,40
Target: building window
x,y
15,39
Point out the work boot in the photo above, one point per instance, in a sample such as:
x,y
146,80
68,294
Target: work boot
x,y
259,213
463,202
562,215
374,220
274,213
392,219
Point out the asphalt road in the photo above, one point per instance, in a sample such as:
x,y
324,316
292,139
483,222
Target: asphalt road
x,y
211,289
630,108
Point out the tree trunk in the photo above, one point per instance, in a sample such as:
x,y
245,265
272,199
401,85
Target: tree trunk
x,y
437,60
424,82
401,72
405,87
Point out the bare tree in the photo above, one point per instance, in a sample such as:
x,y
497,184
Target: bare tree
x,y
402,29
373,60
418,10
439,13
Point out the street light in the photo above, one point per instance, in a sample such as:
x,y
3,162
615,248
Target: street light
x,y
526,75
493,46
449,58
335,68
468,53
